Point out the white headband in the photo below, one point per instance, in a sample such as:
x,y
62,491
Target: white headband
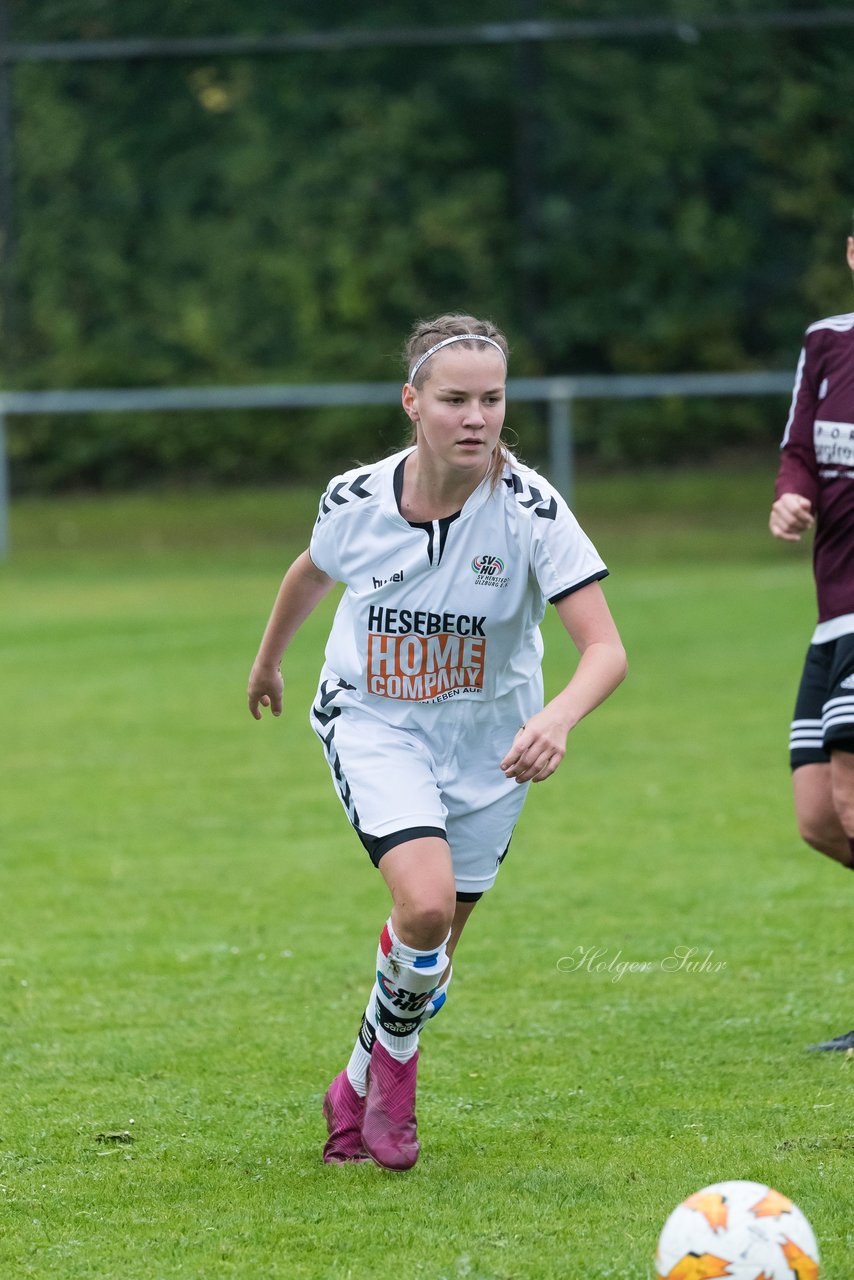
x,y
457,337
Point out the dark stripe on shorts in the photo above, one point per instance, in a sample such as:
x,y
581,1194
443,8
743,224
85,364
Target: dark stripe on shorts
x,y
823,720
378,845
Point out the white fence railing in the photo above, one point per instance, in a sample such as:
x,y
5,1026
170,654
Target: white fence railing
x,y
558,393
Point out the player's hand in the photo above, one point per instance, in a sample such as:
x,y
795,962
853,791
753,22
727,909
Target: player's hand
x,y
537,749
791,515
265,690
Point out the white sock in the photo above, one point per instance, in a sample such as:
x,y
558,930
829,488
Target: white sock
x,y
407,980
360,1058
437,1000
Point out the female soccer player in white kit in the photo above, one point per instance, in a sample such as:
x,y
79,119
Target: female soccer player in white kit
x,y
430,700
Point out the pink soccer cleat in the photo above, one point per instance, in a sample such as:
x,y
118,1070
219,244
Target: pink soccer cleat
x,y
344,1111
389,1132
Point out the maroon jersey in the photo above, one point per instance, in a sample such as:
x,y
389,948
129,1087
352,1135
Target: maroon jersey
x,y
818,456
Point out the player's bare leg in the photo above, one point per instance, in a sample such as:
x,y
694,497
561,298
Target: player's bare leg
x,y
422,895
411,961
818,818
420,878
462,914
842,789
824,802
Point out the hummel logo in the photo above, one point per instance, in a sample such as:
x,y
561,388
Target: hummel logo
x,y
383,582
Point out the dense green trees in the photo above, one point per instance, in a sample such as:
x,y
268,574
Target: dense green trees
x,y
624,204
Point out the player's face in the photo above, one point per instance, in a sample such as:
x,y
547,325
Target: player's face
x,y
459,409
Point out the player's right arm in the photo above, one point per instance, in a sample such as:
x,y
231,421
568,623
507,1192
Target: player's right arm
x,y
796,487
303,587
791,515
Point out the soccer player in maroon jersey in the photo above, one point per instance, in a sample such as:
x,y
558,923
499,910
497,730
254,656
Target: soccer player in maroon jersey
x,y
815,488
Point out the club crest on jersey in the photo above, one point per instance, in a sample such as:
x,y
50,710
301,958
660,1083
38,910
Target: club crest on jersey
x,y
489,571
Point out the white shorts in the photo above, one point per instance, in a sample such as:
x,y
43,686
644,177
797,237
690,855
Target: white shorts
x,y
441,777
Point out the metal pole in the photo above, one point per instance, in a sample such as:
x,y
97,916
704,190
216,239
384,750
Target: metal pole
x,y
561,470
4,491
686,30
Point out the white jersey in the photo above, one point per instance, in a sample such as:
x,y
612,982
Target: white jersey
x,y
449,610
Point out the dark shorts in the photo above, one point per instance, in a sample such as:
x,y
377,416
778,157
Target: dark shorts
x,y
824,709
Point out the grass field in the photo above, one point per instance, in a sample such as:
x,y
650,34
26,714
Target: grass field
x,y
189,926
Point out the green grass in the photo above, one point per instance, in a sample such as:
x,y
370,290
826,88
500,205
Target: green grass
x,y
189,925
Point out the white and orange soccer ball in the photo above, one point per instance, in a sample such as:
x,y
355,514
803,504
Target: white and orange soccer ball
x,y
738,1230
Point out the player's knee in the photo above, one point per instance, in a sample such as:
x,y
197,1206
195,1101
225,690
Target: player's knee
x,y
825,836
811,827
425,922
822,841
843,803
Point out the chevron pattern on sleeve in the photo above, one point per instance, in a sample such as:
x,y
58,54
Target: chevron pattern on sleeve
x,y
338,495
528,495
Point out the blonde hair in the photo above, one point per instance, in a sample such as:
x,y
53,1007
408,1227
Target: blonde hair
x,y
427,334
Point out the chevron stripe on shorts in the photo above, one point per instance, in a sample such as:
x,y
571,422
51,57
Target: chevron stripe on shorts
x,y
324,713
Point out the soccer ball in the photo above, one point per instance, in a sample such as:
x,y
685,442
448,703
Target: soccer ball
x,y
742,1230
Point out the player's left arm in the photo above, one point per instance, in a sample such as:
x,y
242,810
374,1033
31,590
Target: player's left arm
x,y
540,745
303,587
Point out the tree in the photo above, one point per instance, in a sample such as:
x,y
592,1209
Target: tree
x,y
617,205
